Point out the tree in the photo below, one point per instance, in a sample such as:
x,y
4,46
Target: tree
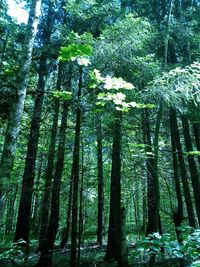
x,y
23,221
13,125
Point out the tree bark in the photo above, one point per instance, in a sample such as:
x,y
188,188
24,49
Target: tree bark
x,y
10,210
47,245
116,245
66,233
152,183
178,214
100,183
182,168
76,167
36,199
23,220
14,120
192,165
196,130
80,224
50,165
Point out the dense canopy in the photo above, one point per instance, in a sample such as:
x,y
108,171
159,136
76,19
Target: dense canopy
x,y
100,134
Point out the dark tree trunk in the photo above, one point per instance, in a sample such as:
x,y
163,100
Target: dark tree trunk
x,y
116,244
66,233
196,129
80,224
178,214
76,167
192,165
24,213
36,199
152,190
100,183
47,245
50,165
182,168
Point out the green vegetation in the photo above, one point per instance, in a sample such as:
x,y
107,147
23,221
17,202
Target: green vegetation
x,y
100,134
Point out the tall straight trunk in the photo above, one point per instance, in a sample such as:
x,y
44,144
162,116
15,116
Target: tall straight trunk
x,y
144,205
115,245
156,159
36,199
50,165
152,184
196,130
10,210
47,245
192,164
182,168
80,224
14,120
66,233
178,214
23,220
100,183
76,167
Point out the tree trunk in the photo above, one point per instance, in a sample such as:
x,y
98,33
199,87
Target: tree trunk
x,y
47,245
196,129
50,164
100,183
66,233
152,184
115,246
36,199
10,211
80,224
192,165
182,168
178,214
76,167
23,220
14,120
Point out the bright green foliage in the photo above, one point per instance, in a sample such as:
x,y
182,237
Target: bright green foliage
x,y
63,95
188,250
193,153
73,51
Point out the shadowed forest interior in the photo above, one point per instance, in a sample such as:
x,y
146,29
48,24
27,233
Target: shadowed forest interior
x,y
100,134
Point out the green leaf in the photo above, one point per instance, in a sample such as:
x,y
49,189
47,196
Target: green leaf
x,y
73,51
63,95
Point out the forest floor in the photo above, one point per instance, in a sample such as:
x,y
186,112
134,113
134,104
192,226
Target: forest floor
x,y
91,256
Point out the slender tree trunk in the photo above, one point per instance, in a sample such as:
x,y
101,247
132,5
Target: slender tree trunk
x,y
178,214
100,183
66,233
192,165
182,168
50,164
80,224
10,211
76,167
116,244
23,220
152,190
14,120
144,205
196,129
47,245
36,199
